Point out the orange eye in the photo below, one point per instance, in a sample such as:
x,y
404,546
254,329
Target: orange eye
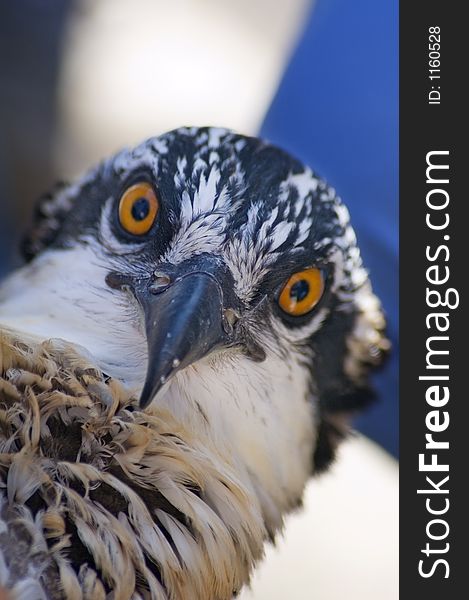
x,y
302,292
138,208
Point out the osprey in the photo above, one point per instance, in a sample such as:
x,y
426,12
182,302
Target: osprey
x,y
183,349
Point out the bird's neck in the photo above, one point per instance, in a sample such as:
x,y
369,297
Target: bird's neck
x,y
260,414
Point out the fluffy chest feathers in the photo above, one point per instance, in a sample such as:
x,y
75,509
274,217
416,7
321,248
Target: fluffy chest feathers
x,y
101,496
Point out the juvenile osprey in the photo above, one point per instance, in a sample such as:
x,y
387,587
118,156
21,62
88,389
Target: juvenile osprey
x,y
178,356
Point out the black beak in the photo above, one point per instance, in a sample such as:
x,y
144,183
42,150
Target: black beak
x,y
185,320
187,316
184,323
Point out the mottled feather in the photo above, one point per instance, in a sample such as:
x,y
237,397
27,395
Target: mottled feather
x,y
96,495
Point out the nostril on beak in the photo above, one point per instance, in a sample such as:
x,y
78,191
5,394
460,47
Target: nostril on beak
x,y
160,283
230,317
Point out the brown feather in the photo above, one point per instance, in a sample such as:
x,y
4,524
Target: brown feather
x,y
99,497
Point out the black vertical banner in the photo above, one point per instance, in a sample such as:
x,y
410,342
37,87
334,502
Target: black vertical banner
x,y
434,256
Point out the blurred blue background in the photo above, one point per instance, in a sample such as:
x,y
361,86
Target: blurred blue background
x,y
333,102
337,109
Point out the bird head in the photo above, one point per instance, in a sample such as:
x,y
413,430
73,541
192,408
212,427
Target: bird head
x,y
219,277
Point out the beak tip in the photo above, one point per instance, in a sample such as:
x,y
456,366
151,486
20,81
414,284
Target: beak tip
x,y
142,404
144,401
147,395
150,390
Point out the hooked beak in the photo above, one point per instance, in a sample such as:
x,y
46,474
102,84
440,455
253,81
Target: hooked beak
x,y
183,324
185,319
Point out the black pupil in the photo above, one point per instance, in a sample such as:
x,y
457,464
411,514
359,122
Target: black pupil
x,y
299,290
140,209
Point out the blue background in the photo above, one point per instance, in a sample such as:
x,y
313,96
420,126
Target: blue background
x,y
337,109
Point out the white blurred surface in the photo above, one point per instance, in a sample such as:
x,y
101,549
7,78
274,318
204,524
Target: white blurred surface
x,y
133,69
344,544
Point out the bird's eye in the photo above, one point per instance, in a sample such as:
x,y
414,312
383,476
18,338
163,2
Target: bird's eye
x,y
302,292
138,208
